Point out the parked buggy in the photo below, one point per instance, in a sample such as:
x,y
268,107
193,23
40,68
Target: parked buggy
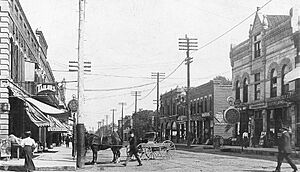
x,y
151,149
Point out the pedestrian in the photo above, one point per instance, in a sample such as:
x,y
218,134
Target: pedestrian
x,y
132,149
67,141
245,139
284,149
28,145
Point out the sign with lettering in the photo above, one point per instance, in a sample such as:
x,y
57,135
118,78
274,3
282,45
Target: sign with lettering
x,y
44,87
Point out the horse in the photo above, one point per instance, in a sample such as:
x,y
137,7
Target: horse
x,y
97,143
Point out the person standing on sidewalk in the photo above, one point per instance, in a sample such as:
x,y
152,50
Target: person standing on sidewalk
x,y
284,149
28,145
132,149
245,139
67,141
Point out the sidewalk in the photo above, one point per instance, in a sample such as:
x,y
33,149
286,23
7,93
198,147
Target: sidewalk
x,y
238,149
56,159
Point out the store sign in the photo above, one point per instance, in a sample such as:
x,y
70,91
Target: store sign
x,y
45,87
232,115
56,129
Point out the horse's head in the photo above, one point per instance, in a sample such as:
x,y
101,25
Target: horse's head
x,y
116,138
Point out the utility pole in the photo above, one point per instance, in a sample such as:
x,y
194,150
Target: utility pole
x,y
113,119
122,125
135,94
188,44
80,124
99,124
157,75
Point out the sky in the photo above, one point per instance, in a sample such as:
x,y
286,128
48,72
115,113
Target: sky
x,y
127,40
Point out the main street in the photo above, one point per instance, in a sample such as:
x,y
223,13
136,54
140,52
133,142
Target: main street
x,y
187,161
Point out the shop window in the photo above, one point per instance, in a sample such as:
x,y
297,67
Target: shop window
x,y
273,83
257,86
285,86
245,90
257,45
237,90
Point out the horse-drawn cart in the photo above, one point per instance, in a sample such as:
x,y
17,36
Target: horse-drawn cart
x,y
153,150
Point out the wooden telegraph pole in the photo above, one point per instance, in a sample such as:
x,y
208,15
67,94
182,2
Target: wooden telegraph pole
x,y
157,75
113,119
122,125
188,44
80,124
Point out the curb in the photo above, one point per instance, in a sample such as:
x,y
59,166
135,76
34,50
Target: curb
x,y
21,168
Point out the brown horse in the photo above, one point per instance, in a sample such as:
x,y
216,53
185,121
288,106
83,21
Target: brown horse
x,y
97,143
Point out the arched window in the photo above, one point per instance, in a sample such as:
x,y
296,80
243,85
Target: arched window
x,y
205,104
273,83
245,90
237,90
285,86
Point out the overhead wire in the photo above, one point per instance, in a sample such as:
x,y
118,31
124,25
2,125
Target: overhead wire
x,y
210,42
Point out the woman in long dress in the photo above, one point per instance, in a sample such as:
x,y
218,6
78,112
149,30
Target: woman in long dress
x,y
28,145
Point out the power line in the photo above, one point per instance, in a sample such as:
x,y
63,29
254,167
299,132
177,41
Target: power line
x,y
116,89
218,37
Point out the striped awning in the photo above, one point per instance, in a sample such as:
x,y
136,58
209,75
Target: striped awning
x,y
36,116
56,125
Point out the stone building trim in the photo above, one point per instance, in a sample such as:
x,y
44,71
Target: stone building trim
x,y
287,62
247,76
275,66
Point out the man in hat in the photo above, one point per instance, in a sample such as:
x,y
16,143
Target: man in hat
x,y
132,149
28,145
284,149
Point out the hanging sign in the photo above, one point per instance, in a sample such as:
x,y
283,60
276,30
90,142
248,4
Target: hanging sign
x,y
73,105
232,115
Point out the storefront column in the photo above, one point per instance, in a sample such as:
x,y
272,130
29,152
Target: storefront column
x,y
252,130
265,120
292,116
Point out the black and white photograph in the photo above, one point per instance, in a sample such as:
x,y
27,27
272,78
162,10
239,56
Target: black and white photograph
x,y
150,85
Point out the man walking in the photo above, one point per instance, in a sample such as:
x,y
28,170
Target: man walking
x,y
284,149
132,149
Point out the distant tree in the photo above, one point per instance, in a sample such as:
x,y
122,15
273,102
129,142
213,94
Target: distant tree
x,y
224,81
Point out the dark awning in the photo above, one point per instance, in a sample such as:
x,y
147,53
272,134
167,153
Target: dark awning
x,y
36,116
56,125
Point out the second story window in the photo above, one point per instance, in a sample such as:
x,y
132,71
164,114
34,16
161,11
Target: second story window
x,y
245,90
257,86
257,45
202,106
237,90
205,104
273,83
198,106
285,86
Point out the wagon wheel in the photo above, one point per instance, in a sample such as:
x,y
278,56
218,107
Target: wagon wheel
x,y
169,148
142,151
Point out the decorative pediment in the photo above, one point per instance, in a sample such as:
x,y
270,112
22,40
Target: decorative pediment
x,y
257,24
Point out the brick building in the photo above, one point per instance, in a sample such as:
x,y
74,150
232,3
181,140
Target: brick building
x,y
259,66
206,100
25,75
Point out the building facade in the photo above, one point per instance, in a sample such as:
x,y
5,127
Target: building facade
x,y
259,66
25,74
206,101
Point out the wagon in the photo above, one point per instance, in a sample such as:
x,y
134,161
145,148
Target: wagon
x,y
153,150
